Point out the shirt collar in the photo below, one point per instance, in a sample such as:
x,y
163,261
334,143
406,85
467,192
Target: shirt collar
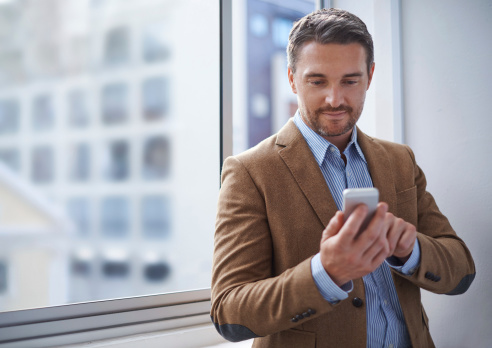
x,y
320,145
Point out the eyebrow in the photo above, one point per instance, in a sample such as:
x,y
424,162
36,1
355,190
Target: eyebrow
x,y
355,74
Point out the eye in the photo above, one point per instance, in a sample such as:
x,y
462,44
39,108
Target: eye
x,y
350,82
316,82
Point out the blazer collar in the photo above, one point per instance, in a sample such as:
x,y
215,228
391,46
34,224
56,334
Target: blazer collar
x,y
298,157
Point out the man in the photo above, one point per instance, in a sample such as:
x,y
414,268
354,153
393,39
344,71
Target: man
x,y
287,269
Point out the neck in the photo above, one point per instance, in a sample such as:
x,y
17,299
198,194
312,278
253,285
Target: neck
x,y
340,141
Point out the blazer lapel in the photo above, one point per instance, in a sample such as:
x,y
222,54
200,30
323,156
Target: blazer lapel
x,y
298,157
379,166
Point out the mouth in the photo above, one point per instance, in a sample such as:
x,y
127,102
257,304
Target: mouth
x,y
334,114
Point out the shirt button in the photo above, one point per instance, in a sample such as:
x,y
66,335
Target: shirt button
x,y
332,149
390,345
385,302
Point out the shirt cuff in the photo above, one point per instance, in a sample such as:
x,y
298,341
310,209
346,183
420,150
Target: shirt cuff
x,y
409,267
326,286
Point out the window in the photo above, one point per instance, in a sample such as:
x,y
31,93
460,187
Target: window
x,y
156,45
80,162
9,116
114,103
116,161
77,109
79,211
11,158
156,158
117,46
115,217
43,117
155,96
42,164
156,216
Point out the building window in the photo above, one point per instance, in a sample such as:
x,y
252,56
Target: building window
x,y
79,211
115,217
157,271
9,116
155,98
42,164
117,46
156,158
156,216
43,115
77,109
114,103
155,47
116,161
11,158
80,161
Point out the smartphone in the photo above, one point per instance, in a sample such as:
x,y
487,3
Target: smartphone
x,y
355,196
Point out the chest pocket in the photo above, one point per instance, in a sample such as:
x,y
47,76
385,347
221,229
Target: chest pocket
x,y
406,202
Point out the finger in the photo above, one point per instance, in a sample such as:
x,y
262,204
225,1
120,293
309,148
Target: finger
x,y
406,242
353,223
374,230
395,230
336,222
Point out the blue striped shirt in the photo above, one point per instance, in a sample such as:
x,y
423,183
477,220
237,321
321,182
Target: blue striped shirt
x,y
385,322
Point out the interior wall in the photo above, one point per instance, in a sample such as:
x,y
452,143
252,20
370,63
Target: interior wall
x,y
447,82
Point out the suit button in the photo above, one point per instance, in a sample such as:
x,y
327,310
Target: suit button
x,y
306,314
311,311
429,275
438,278
357,302
294,320
299,317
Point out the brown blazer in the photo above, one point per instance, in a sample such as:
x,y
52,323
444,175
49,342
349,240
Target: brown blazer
x,y
273,206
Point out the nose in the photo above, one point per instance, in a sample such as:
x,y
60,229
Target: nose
x,y
334,96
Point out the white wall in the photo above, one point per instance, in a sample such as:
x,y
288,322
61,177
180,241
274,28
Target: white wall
x,y
447,55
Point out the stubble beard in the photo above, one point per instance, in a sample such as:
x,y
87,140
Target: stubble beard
x,y
335,128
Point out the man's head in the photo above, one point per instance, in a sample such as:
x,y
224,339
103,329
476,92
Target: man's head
x,y
329,26
330,69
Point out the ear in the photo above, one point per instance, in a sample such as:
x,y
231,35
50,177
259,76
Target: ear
x,y
292,83
371,72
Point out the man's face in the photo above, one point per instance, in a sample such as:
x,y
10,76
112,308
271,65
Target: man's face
x,y
331,81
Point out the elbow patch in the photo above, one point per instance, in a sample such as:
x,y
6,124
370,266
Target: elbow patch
x,y
463,285
234,332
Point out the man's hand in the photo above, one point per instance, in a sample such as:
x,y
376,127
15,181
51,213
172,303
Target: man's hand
x,y
347,255
401,236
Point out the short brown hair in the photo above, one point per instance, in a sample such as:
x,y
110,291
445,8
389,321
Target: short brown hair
x,y
329,26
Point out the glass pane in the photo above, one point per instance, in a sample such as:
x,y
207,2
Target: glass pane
x,y
79,211
155,98
11,158
263,100
115,217
42,165
114,103
80,162
117,161
117,46
9,116
43,116
156,158
132,159
77,108
156,46
156,216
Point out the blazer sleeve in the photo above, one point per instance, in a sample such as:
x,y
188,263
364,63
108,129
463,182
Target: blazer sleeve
x,y
446,264
248,298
